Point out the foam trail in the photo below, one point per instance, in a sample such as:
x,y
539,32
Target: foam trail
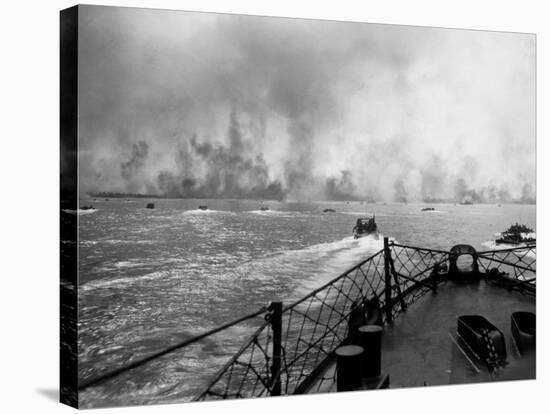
x,y
81,212
278,213
121,282
209,211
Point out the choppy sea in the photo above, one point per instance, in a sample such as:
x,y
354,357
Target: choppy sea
x,y
149,278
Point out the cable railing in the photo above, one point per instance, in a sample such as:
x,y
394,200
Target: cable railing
x,y
291,349
514,267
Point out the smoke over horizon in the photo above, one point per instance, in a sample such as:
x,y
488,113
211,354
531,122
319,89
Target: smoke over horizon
x,y
187,104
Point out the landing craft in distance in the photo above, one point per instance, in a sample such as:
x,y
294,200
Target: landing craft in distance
x,y
364,227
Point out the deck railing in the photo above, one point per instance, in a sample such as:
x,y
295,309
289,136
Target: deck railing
x,y
515,267
293,345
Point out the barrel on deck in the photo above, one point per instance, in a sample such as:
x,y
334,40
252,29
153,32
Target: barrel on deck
x,y
348,367
524,325
370,339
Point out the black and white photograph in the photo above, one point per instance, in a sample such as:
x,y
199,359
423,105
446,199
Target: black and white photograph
x,y
259,206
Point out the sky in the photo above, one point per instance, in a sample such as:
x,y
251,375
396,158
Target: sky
x,y
186,104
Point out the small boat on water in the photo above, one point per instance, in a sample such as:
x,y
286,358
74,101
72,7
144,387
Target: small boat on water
x,y
150,205
329,210
264,209
203,208
364,227
87,207
517,234
428,209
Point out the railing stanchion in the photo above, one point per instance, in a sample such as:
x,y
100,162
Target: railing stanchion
x,y
276,327
395,278
387,279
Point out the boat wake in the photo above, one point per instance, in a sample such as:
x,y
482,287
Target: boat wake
x,y
81,212
276,213
310,267
338,257
209,211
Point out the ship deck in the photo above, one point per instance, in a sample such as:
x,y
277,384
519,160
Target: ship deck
x,y
421,348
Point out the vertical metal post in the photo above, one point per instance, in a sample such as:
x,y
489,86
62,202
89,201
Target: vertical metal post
x,y
434,275
276,327
349,371
387,274
370,338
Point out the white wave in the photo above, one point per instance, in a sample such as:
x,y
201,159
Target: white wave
x,y
209,211
278,213
338,257
365,243
80,211
121,282
117,241
87,243
128,264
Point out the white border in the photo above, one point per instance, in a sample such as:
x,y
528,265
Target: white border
x,y
29,227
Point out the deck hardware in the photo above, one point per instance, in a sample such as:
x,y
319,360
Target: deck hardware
x,y
523,328
387,281
276,327
370,339
348,359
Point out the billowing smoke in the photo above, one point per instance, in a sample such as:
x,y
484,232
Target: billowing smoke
x,y
207,105
342,188
400,191
136,161
206,170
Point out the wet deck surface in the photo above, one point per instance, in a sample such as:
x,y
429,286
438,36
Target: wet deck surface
x,y
420,349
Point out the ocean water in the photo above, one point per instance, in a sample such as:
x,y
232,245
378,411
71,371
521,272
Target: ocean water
x,y
149,278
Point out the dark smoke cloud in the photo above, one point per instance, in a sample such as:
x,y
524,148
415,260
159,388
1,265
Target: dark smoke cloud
x,y
208,171
207,105
400,191
136,161
342,188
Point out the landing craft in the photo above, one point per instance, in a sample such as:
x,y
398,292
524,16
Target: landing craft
x,y
516,234
364,227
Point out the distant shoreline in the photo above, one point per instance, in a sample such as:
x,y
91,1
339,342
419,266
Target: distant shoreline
x,y
166,197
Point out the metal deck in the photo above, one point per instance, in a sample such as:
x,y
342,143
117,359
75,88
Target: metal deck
x,y
421,348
